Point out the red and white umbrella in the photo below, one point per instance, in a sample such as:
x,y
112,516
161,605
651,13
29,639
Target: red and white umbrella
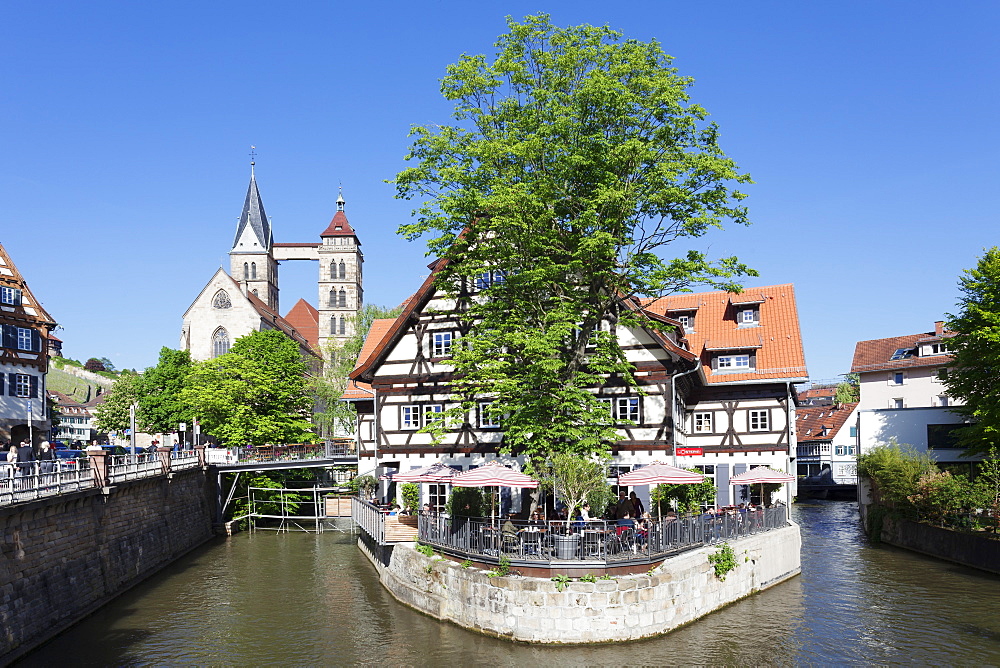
x,y
761,474
436,473
658,473
493,474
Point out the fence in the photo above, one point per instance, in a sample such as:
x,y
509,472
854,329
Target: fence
x,y
369,519
260,454
27,481
542,543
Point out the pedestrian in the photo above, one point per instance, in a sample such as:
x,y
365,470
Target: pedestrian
x,y
637,508
624,506
46,458
25,458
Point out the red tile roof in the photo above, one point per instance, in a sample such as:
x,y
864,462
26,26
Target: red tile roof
x,y
376,334
810,421
776,341
339,227
305,319
874,355
268,314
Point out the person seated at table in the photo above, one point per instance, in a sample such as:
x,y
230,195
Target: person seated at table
x,y
508,528
579,522
585,512
536,520
394,510
624,524
427,509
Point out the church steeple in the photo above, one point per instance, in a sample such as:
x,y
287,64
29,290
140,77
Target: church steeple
x,y
251,260
340,292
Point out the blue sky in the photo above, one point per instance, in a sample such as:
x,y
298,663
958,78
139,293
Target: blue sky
x,y
870,129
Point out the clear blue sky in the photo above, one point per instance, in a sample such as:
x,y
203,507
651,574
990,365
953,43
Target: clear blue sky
x,y
870,129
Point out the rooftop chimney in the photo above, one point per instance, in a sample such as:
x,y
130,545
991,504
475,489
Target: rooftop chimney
x,y
938,327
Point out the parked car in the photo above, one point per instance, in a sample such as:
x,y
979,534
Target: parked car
x,y
70,458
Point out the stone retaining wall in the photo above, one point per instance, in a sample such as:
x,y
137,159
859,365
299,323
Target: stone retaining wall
x,y
63,557
679,591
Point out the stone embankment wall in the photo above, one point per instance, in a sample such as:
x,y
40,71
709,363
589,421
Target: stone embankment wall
x,y
969,549
63,557
681,590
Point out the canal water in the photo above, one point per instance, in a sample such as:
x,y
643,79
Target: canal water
x,y
306,599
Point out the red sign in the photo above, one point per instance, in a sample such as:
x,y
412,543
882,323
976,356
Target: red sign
x,y
687,452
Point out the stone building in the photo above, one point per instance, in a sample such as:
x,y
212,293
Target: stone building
x,y
246,299
25,328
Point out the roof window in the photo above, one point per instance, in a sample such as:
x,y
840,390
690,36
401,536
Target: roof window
x,y
901,354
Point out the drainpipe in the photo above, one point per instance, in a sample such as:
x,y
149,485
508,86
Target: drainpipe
x,y
788,458
673,404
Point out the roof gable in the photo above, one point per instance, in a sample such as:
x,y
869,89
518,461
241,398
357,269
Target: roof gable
x,y
253,221
897,352
305,319
29,309
821,423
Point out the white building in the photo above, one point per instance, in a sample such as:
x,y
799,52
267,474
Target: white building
x,y
827,447
903,396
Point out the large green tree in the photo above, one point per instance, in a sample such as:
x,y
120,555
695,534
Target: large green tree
x,y
972,377
576,160
255,394
160,390
113,415
326,388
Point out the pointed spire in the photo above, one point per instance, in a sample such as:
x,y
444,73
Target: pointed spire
x,y
340,199
253,216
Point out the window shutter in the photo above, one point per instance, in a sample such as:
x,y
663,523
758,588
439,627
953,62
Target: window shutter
x,y
9,336
17,297
36,341
33,392
753,361
715,363
12,384
1,384
756,315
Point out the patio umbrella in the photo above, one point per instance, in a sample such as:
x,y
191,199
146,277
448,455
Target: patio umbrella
x,y
435,473
761,475
659,473
493,474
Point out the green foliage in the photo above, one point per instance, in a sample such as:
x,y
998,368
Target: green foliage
x,y
561,581
939,495
160,388
269,503
894,470
849,391
689,498
332,414
254,394
599,498
975,349
606,577
575,160
112,415
502,568
363,485
411,496
465,502
589,577
425,550
572,478
466,564
724,560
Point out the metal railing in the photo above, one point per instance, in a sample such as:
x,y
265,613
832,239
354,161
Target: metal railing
x,y
369,518
184,459
543,543
34,480
132,467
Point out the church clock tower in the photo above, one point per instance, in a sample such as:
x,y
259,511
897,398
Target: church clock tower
x,y
340,293
251,260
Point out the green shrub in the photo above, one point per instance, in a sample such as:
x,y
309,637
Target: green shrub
x,y
724,561
465,502
894,472
411,496
425,550
561,581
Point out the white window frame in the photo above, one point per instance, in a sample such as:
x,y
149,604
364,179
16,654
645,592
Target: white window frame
x,y
703,422
409,416
747,316
484,420
627,409
442,343
686,322
729,362
759,419
8,296
22,385
24,338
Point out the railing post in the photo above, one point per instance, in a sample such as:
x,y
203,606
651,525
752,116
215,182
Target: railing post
x,y
99,465
164,452
200,450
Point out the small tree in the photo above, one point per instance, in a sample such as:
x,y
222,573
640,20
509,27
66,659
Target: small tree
x,y
160,391
113,414
410,492
689,498
364,485
895,472
94,364
848,391
465,502
573,478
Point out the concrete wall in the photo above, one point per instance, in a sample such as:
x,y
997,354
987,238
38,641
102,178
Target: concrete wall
x,y
63,557
681,590
969,549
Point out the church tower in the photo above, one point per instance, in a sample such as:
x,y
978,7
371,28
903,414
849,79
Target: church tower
x,y
251,260
340,293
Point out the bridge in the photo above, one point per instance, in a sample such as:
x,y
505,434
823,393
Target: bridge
x,y
336,452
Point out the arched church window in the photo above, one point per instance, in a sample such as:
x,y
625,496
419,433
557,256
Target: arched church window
x,y
220,342
253,270
221,300
343,269
246,271
343,327
333,326
333,270
343,299
333,297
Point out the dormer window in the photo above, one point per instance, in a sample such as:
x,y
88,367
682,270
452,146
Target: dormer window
x,y
732,362
748,317
687,321
929,349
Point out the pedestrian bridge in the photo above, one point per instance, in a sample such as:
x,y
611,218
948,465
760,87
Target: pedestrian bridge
x,y
335,452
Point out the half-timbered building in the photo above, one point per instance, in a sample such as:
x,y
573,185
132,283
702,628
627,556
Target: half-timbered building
x,y
25,328
713,390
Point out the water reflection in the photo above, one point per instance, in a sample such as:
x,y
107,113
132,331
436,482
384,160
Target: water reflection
x,y
301,599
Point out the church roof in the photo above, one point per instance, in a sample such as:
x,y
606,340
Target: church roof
x,y
339,227
254,216
271,316
305,319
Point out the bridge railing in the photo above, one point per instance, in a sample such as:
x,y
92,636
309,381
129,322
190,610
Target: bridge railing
x,y
369,519
27,481
263,454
